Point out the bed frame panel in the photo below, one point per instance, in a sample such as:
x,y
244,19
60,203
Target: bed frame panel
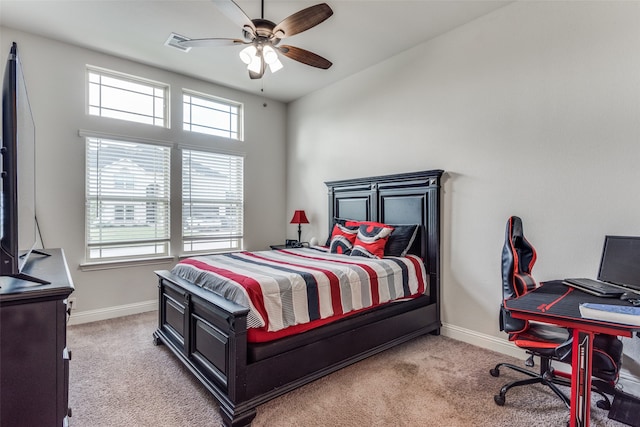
x,y
208,334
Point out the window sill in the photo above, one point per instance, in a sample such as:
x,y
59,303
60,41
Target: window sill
x,y
195,254
106,265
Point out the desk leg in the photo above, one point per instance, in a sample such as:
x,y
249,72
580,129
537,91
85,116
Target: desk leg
x,y
581,378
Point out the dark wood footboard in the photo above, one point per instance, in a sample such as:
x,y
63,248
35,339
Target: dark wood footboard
x,y
208,334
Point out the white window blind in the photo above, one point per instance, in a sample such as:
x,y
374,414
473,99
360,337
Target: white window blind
x,y
212,201
127,98
211,115
127,199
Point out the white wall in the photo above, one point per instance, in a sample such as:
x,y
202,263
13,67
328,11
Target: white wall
x,y
55,77
532,110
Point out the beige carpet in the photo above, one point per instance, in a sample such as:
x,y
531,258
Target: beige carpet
x,y
119,378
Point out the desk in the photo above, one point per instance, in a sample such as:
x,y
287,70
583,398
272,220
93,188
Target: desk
x,y
558,304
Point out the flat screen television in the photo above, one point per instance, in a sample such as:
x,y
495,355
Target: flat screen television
x,y
18,226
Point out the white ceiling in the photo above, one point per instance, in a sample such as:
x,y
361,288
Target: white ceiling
x,y
360,34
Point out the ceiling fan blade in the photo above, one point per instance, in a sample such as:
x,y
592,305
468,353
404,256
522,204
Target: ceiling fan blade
x,y
212,42
302,20
232,11
304,56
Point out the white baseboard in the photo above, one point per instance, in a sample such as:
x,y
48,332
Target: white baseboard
x,y
482,340
78,317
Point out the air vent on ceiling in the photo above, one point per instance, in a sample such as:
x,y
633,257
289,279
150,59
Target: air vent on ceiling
x,y
174,41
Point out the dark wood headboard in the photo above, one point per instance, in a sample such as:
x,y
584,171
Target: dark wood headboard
x,y
401,199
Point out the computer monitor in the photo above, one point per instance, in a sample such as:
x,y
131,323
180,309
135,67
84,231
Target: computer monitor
x,y
620,263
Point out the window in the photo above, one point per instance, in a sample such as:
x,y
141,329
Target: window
x,y
212,201
127,98
127,199
210,115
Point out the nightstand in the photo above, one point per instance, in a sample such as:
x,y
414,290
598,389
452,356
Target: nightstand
x,y
290,246
274,247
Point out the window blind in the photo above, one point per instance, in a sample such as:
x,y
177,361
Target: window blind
x,y
127,199
212,201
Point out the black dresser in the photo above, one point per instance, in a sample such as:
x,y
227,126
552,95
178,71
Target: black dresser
x,y
34,359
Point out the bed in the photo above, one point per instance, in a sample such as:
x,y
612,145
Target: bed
x,y
245,355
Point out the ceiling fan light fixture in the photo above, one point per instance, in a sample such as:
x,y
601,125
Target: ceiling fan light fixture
x,y
248,54
275,65
256,64
263,37
270,55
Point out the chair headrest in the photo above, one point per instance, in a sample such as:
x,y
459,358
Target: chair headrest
x,y
518,258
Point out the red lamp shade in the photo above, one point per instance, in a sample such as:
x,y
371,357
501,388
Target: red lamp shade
x,y
299,217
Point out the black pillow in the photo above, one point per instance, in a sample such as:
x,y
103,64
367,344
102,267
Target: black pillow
x,y
401,239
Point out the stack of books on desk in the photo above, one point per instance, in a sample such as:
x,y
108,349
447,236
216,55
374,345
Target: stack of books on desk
x,y
611,313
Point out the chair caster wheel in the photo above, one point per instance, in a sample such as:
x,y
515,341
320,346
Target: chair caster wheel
x,y
603,404
494,372
499,399
529,362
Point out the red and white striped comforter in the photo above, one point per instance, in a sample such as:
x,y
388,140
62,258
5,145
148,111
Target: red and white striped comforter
x,y
290,287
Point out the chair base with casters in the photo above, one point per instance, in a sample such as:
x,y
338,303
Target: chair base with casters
x,y
552,379
607,358
545,376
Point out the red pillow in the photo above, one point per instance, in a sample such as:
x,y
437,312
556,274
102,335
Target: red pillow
x,y
371,240
342,238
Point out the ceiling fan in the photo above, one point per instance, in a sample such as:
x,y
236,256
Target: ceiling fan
x,y
264,36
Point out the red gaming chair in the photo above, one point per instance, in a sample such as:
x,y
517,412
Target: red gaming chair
x,y
549,343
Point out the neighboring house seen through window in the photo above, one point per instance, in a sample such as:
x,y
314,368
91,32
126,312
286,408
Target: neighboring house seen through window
x,y
131,219
212,201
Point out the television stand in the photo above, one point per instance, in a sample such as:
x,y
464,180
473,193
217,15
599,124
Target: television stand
x,y
34,359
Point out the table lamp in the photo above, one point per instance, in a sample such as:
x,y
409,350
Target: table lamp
x,y
299,217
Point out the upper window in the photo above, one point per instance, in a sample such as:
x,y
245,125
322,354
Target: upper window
x,y
211,115
125,97
127,200
212,201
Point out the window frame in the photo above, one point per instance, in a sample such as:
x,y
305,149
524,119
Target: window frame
x,y
207,98
122,203
209,238
155,86
174,244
